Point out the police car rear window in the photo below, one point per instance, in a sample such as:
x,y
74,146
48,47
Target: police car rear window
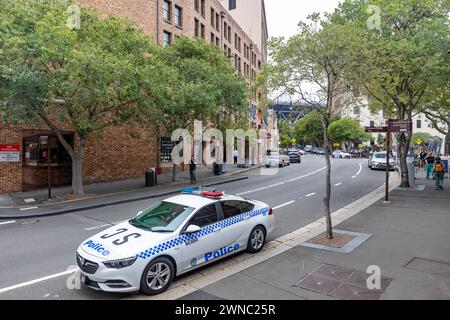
x,y
234,208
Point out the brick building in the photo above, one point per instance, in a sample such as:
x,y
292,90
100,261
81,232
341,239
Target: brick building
x,y
24,149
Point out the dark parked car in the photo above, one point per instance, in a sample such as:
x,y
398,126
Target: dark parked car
x,y
295,157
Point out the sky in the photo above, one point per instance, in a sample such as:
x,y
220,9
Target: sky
x,y
284,15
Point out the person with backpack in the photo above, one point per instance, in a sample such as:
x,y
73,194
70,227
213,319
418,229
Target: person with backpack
x,y
438,171
429,160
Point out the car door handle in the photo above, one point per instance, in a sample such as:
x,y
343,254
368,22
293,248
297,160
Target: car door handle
x,y
217,230
246,217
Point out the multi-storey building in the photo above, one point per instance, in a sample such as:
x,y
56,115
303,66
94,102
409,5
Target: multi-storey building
x,y
24,149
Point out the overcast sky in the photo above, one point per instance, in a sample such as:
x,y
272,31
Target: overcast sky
x,y
284,15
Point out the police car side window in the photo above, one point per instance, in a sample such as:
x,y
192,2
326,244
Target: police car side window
x,y
231,208
205,216
247,207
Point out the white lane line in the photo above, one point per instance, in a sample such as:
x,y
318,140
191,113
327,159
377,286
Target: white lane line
x,y
7,222
29,283
281,183
359,171
29,208
283,205
338,184
310,195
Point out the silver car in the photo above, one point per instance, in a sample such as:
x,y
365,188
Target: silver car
x,y
378,161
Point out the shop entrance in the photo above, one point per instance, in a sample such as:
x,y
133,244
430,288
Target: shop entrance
x,y
40,146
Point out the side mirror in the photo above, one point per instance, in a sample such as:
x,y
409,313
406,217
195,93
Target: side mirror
x,y
192,229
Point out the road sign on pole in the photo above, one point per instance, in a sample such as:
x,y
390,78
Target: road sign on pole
x,y
400,126
376,129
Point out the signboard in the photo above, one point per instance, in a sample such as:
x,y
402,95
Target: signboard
x,y
400,126
419,142
376,129
9,153
360,146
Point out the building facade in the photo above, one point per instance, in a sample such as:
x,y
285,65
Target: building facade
x,y
27,151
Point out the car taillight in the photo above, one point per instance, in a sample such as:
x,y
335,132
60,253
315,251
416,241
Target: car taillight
x,y
270,211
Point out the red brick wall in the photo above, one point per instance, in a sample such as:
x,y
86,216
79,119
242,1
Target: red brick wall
x,y
10,173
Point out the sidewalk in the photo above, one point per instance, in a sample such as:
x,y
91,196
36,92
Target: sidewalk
x,y
35,203
409,242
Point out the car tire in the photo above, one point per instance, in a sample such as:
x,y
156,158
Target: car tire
x,y
158,265
256,240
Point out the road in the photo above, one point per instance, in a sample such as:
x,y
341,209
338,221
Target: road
x,y
36,257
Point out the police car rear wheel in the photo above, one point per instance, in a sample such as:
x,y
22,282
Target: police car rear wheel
x,y
157,276
256,240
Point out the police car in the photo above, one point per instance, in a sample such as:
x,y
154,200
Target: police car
x,y
170,238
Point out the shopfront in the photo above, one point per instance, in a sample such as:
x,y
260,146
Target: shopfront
x,y
41,151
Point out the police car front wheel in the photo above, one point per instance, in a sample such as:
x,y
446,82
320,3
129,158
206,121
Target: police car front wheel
x,y
256,240
157,276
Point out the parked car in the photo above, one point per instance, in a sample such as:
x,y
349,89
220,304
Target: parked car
x,y
280,160
308,148
378,161
341,154
295,157
320,151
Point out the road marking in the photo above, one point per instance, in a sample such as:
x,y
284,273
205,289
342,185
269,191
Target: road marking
x,y
338,184
29,208
280,183
102,226
29,283
283,205
29,200
7,222
359,171
310,195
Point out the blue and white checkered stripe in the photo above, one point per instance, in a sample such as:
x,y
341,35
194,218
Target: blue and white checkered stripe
x,y
204,232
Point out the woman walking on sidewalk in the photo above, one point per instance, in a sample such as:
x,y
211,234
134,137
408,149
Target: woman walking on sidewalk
x,y
429,160
438,171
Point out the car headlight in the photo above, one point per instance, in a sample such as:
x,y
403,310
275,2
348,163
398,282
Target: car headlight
x,y
120,264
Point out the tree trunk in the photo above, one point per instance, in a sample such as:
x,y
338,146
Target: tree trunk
x,y
447,143
327,198
77,169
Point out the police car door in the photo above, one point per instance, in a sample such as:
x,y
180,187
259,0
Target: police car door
x,y
237,224
199,246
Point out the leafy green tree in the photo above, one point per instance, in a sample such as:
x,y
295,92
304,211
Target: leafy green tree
x,y
201,84
92,77
310,128
347,130
311,64
401,64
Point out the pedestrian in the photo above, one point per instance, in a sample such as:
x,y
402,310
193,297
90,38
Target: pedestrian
x,y
192,169
417,162
429,160
423,155
235,156
438,171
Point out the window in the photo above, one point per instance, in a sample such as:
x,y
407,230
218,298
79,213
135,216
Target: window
x,y
202,30
236,40
167,38
231,4
166,10
356,110
217,22
419,124
213,15
178,16
197,27
229,34
203,7
217,41
36,150
205,216
162,217
225,30
197,5
213,38
231,208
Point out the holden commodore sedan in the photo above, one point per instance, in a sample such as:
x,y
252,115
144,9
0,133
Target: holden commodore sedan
x,y
170,238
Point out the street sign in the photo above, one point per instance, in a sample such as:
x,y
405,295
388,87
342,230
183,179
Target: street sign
x,y
9,153
400,126
376,129
419,142
360,146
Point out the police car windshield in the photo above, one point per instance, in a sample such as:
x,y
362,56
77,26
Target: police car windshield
x,y
162,217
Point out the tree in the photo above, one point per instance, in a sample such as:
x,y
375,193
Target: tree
x,y
310,128
400,64
92,77
201,85
311,65
347,130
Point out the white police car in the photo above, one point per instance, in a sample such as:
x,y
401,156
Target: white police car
x,y
170,238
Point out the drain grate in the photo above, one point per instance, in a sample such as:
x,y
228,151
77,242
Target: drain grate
x,y
341,283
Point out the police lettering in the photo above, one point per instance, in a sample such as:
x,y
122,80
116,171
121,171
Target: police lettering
x,y
96,247
220,252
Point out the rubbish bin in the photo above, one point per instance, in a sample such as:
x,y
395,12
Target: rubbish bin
x,y
218,168
150,178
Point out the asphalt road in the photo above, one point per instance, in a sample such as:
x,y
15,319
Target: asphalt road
x,y
35,256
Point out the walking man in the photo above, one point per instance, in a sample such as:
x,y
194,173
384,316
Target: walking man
x,y
429,160
438,171
423,155
192,169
